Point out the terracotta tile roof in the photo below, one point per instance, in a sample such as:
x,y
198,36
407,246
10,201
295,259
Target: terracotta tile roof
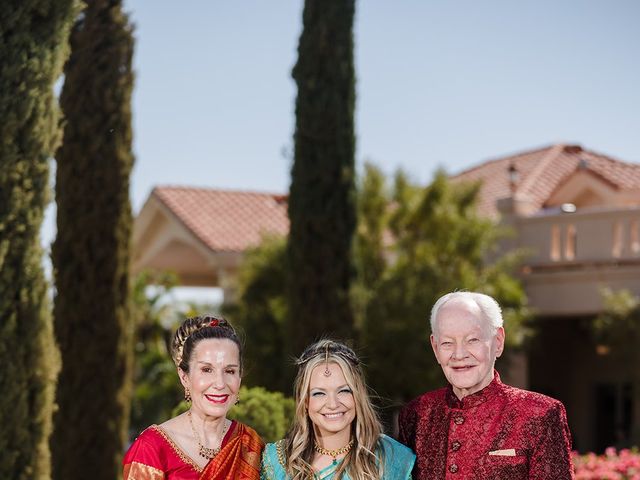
x,y
226,220
232,221
541,171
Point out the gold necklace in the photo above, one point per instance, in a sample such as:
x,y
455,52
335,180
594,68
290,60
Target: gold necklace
x,y
207,452
333,453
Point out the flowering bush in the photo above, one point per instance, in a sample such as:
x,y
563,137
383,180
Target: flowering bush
x,y
613,465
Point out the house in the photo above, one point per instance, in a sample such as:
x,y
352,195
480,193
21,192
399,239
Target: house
x,y
200,234
576,211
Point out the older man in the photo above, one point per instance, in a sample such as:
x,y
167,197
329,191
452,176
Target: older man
x,y
478,427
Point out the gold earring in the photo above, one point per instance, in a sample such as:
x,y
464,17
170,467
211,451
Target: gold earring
x,y
187,395
238,399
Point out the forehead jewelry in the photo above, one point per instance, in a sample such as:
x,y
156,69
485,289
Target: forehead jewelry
x,y
327,372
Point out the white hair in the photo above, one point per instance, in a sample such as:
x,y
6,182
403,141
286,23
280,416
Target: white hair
x,y
491,311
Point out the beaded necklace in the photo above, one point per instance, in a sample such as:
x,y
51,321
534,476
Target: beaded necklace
x,y
207,452
333,453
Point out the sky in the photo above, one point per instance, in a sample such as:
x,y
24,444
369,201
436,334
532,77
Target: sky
x,y
440,83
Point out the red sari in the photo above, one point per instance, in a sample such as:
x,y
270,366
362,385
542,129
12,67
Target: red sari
x,y
155,456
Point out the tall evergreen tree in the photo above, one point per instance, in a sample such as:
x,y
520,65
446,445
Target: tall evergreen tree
x,y
33,48
322,194
91,251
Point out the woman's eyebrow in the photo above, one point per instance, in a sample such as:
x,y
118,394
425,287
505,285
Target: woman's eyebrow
x,y
202,362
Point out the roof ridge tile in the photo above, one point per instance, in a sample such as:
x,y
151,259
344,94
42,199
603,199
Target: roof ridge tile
x,y
540,167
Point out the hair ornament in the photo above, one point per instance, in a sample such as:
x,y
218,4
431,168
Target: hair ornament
x,y
209,321
328,349
327,372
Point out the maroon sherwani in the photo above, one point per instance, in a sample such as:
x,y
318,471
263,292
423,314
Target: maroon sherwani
x,y
498,433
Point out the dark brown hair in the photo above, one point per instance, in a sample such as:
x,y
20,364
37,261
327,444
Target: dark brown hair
x,y
199,328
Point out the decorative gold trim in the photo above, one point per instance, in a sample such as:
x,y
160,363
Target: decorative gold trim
x,y
280,452
178,451
140,471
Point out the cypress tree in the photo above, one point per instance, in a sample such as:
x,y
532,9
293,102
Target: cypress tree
x,y
322,193
91,251
33,48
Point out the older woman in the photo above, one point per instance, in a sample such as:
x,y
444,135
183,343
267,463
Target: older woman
x,y
336,433
201,443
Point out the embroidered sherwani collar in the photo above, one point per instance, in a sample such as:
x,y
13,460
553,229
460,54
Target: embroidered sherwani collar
x,y
487,393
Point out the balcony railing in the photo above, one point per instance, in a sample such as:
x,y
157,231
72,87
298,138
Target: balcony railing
x,y
583,237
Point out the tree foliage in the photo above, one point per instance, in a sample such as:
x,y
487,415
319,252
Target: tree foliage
x,y
437,244
412,244
157,388
33,48
91,251
369,241
322,193
268,413
618,325
617,328
262,316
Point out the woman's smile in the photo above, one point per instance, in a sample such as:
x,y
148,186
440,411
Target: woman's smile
x,y
333,416
219,399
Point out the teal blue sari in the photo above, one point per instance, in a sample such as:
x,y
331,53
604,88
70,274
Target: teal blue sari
x,y
398,462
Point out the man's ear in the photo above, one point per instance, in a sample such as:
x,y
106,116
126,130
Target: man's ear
x,y
434,346
500,335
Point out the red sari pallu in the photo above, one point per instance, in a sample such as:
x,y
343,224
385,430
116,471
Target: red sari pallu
x,y
155,456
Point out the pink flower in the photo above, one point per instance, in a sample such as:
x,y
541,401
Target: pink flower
x,y
613,465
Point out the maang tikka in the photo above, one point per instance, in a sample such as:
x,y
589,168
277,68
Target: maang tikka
x,y
327,372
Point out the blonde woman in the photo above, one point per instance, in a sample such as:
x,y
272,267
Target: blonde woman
x,y
336,433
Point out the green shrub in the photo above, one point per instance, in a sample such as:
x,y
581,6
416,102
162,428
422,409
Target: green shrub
x,y
268,413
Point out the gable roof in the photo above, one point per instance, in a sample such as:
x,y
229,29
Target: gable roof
x,y
542,171
226,220
233,221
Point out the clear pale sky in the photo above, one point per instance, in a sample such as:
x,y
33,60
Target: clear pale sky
x,y
439,83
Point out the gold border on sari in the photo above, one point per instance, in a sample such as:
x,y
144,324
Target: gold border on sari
x,y
140,471
178,451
